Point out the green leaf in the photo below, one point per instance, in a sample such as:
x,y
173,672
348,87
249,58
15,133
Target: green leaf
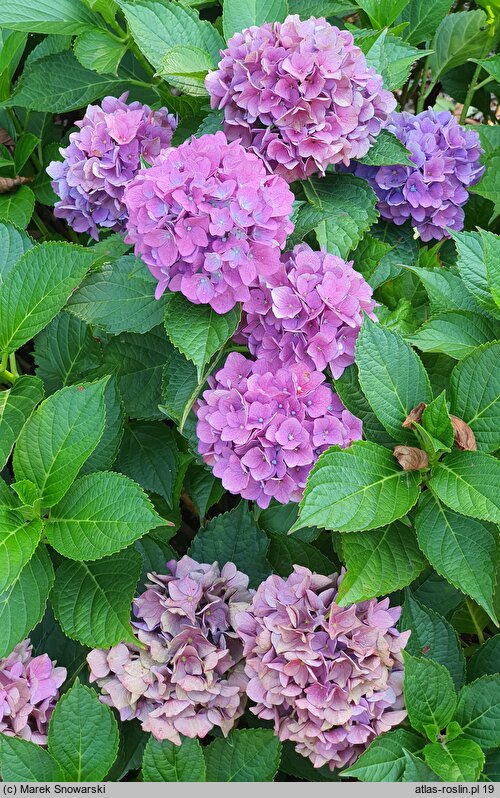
x,y
65,351
379,562
59,83
342,209
384,759
197,330
478,711
488,185
423,18
446,290
104,455
22,760
149,455
180,385
387,151
468,483
475,395
458,37
433,637
417,770
348,388
240,14
58,438
286,551
436,420
456,333
234,537
18,541
100,514
476,255
203,488
98,50
36,288
155,552
392,392
138,362
486,659
13,244
16,406
458,760
393,58
119,298
25,145
17,207
164,761
40,16
157,27
246,755
490,65
92,600
22,605
186,67
382,14
83,735
361,487
430,695
492,263
492,766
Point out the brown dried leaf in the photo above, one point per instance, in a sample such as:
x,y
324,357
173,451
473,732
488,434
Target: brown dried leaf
x,y
410,458
414,415
8,183
6,139
464,437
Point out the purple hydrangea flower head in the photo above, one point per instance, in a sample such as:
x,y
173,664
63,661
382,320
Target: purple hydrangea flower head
x,y
262,427
209,219
300,93
310,311
189,676
29,689
102,157
330,677
432,192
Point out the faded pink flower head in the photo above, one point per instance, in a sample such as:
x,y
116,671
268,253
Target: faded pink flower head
x,y
102,157
262,427
310,311
329,677
300,93
189,677
29,689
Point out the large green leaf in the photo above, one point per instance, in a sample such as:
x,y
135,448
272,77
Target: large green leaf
x,y
40,16
197,330
393,58
181,385
392,392
456,333
83,735
65,351
458,760
17,207
57,439
417,770
18,540
382,14
23,603
430,695
475,252
423,18
186,67
488,186
36,288
446,290
475,394
478,711
387,151
246,755
461,549
99,51
92,600
149,455
241,14
458,37
100,514
485,660
468,483
22,760
104,455
119,298
384,759
16,406
349,390
361,487
164,761
379,562
13,244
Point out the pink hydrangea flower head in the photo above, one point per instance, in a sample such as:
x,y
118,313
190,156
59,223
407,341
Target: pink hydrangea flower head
x,y
209,219
300,93
102,157
310,311
189,676
329,677
29,689
432,192
262,427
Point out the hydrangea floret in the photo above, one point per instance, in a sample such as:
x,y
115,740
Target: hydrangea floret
x,y
209,220
188,677
102,157
329,677
29,689
432,192
310,311
300,93
262,427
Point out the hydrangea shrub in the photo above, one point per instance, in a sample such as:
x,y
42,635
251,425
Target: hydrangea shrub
x,y
249,392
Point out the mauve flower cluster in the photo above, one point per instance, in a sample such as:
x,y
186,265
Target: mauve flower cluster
x,y
188,677
310,311
331,678
431,193
29,689
209,220
261,427
300,93
102,157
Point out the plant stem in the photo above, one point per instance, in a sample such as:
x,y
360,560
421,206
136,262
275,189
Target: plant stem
x,y
470,94
479,631
423,93
13,365
41,225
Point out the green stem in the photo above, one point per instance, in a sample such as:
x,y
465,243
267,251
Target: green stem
x,y
41,225
470,94
424,94
484,82
479,631
13,366
6,376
